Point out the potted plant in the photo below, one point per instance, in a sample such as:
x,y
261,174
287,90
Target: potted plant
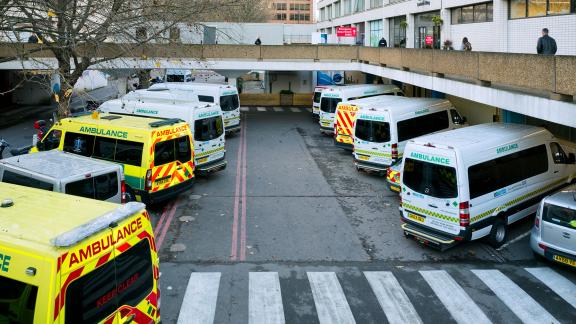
x,y
448,45
286,97
437,21
404,24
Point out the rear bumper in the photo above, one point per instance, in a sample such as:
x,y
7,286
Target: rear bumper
x,y
166,194
210,167
427,236
345,146
393,186
551,253
368,166
328,130
232,128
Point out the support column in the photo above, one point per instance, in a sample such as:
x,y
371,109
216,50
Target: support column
x,y
410,31
386,31
445,30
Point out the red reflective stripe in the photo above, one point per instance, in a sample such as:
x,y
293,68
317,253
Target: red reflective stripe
x,y
168,169
103,259
142,235
124,247
61,260
60,299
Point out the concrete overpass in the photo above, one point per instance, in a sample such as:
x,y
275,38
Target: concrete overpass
x,y
543,87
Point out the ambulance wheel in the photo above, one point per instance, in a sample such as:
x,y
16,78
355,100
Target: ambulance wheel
x,y
130,195
498,234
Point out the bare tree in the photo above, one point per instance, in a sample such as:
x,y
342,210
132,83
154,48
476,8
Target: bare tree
x,y
82,33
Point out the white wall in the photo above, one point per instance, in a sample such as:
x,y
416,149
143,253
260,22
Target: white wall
x,y
246,33
524,33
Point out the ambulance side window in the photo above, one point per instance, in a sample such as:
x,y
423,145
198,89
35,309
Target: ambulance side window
x,y
51,141
134,274
183,151
205,98
81,144
129,152
17,301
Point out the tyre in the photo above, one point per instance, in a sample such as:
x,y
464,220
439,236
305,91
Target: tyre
x,y
130,195
498,234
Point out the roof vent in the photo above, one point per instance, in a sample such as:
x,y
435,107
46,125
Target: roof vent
x,y
7,203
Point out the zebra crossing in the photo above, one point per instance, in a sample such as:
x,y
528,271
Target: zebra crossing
x,y
461,301
276,109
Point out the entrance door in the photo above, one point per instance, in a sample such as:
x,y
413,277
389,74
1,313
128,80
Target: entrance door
x,y
421,40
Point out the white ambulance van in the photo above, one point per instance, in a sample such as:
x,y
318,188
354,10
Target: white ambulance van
x,y
222,94
384,126
205,120
473,182
316,99
330,98
178,75
67,173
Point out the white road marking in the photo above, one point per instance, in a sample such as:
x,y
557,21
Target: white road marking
x,y
296,109
244,109
278,109
455,299
199,304
329,298
560,285
514,240
261,109
524,306
309,109
392,298
265,299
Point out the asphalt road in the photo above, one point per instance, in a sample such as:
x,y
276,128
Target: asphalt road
x,y
290,205
291,232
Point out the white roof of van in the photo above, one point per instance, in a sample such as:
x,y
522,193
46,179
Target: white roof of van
x,y
398,105
565,197
189,86
479,137
57,164
167,94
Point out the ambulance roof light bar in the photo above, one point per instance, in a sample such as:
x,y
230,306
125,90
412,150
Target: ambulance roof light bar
x,y
165,122
96,225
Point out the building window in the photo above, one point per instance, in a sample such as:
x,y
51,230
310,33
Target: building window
x,y
174,34
481,12
397,32
359,6
539,8
376,3
280,6
375,32
280,16
300,17
300,6
337,9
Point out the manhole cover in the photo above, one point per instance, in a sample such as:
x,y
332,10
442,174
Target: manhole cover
x,y
178,247
195,197
186,219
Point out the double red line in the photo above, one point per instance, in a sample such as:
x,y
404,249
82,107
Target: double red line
x,y
165,221
238,249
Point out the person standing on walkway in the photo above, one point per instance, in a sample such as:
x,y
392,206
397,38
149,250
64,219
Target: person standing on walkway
x,y
546,44
382,42
258,41
466,46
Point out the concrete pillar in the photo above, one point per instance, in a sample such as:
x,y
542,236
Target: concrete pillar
x,y
121,85
386,30
410,31
445,30
233,82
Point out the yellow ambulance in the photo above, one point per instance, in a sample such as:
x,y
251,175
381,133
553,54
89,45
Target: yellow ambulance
x,y
157,154
68,259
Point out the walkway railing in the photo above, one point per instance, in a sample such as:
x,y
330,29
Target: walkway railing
x,y
553,74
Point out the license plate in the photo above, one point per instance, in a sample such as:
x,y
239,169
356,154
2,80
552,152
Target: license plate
x,y
202,160
414,217
226,123
564,260
325,124
363,157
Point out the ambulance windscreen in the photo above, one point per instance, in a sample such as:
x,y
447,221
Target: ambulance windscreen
x,y
430,179
208,128
229,102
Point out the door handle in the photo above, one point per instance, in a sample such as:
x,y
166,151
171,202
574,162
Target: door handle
x,y
433,206
566,235
556,171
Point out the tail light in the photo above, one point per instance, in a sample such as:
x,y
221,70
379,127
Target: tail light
x,y
400,202
123,191
537,222
464,214
394,152
148,184
388,171
542,246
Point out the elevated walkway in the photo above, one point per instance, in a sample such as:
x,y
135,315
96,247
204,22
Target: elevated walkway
x,y
535,85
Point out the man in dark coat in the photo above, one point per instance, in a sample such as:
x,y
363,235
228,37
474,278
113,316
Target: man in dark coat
x,y
546,44
382,42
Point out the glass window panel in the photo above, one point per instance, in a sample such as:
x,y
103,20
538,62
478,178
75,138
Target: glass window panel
x,y
517,9
456,16
467,14
489,11
559,7
536,8
480,13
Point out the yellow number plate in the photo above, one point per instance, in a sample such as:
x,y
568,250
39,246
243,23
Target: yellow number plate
x,y
202,160
363,157
564,260
325,124
415,217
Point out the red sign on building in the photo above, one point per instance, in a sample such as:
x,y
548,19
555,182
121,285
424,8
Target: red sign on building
x,y
429,40
346,31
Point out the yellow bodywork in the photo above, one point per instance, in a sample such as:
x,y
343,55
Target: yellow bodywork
x,y
29,254
344,123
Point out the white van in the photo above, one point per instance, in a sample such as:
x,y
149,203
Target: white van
x,y
178,75
330,98
316,99
205,120
472,182
66,173
222,94
554,233
385,124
